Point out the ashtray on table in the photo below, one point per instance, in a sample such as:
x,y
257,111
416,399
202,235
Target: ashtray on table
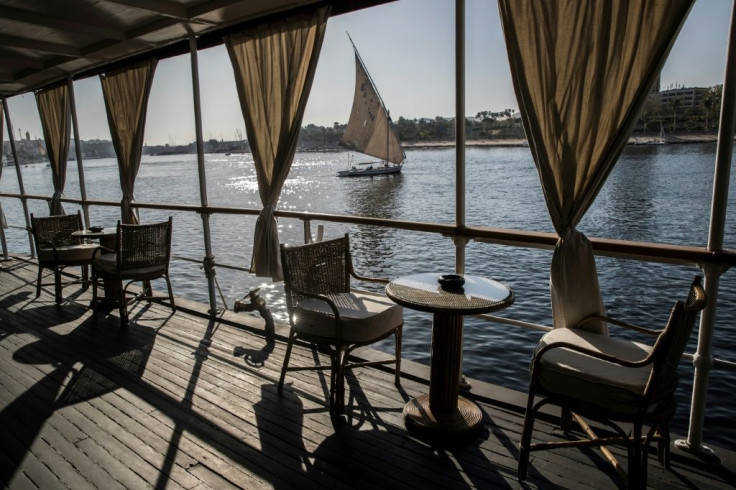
x,y
451,281
95,229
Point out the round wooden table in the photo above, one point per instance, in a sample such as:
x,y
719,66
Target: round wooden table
x,y
442,412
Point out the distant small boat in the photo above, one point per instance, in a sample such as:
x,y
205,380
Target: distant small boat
x,y
370,130
662,140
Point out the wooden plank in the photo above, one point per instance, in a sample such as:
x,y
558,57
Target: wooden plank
x,y
173,401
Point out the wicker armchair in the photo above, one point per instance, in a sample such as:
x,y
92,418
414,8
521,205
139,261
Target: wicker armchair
x,y
142,253
57,249
612,380
324,311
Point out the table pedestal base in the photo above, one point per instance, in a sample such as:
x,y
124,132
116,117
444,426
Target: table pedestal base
x,y
464,421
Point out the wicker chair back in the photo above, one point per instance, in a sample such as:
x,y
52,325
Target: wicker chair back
x,y
321,268
56,230
141,246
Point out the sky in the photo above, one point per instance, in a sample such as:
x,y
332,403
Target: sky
x,y
408,48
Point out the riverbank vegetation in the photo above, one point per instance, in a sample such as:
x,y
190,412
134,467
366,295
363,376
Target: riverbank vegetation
x,y
690,117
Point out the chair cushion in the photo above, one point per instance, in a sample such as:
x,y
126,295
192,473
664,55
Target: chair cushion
x,y
70,254
365,316
107,264
595,381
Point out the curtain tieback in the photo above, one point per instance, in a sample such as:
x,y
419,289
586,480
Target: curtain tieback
x,y
268,211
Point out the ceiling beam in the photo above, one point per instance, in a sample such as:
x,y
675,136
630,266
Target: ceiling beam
x,y
174,11
155,6
56,23
208,6
11,56
44,46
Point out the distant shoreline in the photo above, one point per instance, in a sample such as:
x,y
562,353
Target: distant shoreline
x,y
683,138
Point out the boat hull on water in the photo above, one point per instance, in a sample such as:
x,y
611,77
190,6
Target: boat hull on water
x,y
370,171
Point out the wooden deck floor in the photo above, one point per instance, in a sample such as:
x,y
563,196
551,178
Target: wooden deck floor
x,y
178,401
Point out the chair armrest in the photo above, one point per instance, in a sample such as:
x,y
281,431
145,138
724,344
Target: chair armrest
x,y
99,250
369,279
330,303
47,244
50,245
320,297
589,352
619,323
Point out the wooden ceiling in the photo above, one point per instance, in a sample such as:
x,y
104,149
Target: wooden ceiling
x,y
46,41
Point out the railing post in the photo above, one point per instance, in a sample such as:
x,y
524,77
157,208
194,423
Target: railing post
x,y
78,153
21,187
703,363
307,231
209,259
703,359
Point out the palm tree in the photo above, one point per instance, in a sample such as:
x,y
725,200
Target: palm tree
x,y
675,105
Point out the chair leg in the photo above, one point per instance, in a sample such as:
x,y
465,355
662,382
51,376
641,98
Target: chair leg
x,y
526,438
289,345
171,294
94,290
147,291
565,420
636,458
123,306
337,382
57,285
38,282
334,362
397,375
85,277
663,444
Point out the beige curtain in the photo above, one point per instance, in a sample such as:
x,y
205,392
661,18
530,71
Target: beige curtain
x,y
582,71
55,112
126,94
274,66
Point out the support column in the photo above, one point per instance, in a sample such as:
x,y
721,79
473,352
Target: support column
x,y
460,131
78,153
21,187
460,149
209,259
703,359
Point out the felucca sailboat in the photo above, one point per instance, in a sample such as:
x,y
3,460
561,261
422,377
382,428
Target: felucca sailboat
x,y
370,130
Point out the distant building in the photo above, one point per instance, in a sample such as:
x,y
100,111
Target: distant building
x,y
689,97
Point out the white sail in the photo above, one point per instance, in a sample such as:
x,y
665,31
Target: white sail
x,y
369,129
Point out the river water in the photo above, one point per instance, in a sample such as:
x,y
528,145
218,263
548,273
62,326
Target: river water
x,y
656,193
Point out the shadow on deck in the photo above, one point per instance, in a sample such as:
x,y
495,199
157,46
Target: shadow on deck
x,y
180,401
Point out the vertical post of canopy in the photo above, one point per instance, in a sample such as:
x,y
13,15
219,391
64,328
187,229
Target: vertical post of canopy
x,y
460,132
460,242
703,359
21,187
78,153
209,259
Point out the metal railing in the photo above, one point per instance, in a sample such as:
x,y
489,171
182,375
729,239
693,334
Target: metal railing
x,y
711,262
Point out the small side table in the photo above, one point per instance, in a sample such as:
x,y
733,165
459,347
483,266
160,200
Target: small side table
x,y
106,236
443,412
